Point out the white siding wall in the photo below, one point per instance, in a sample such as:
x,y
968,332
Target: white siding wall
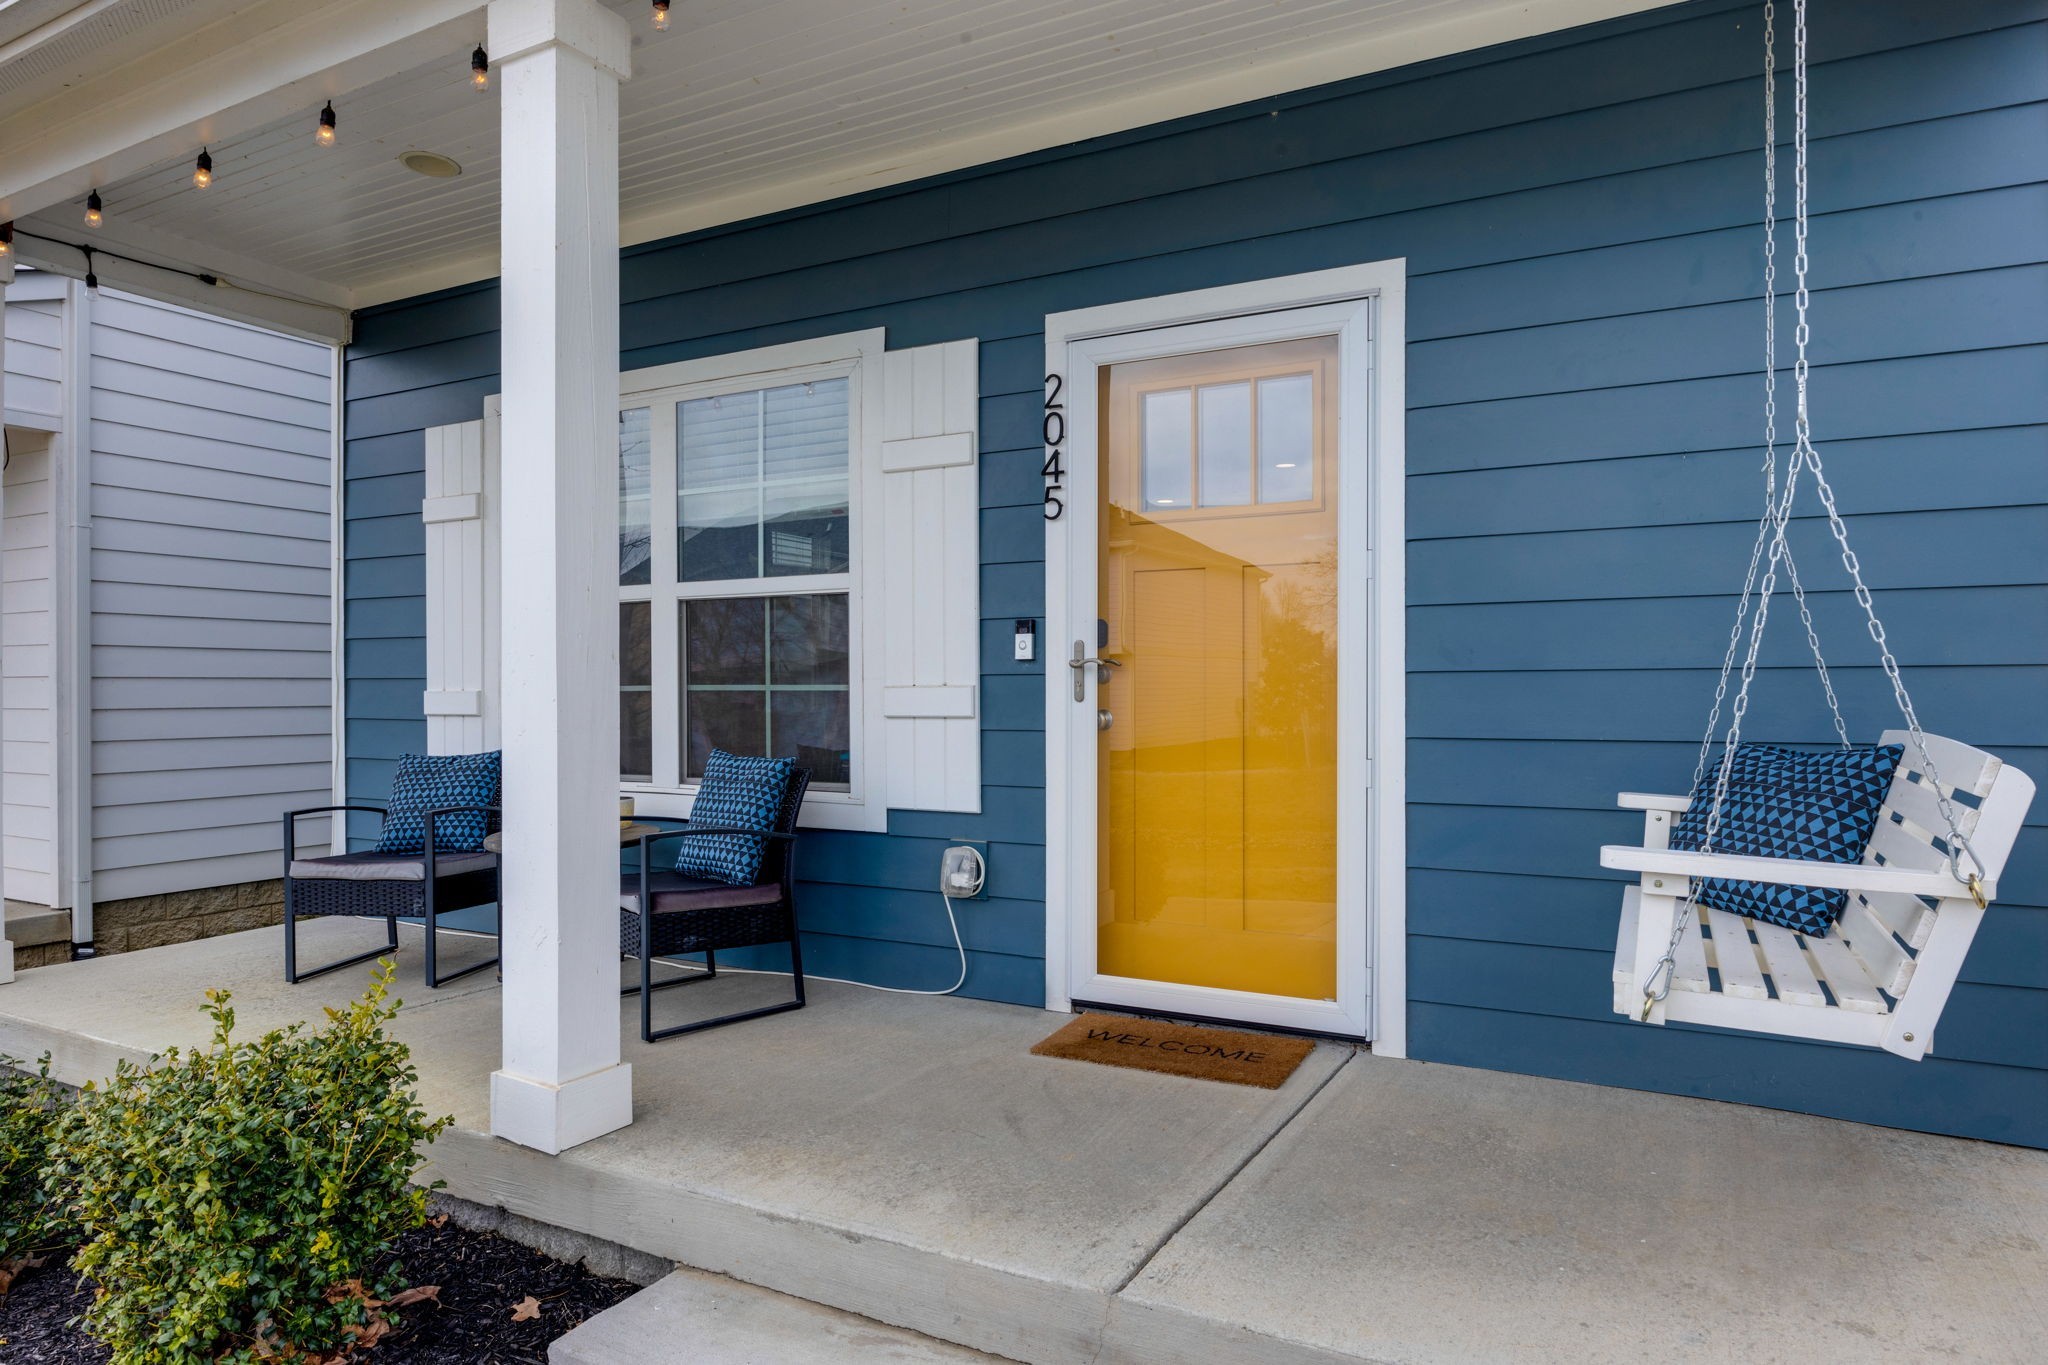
x,y
27,678
210,596
35,350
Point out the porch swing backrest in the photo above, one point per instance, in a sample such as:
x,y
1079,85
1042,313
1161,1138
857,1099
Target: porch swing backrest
x,y
1875,923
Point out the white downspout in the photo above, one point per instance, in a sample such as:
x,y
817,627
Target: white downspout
x,y
72,570
337,569
6,278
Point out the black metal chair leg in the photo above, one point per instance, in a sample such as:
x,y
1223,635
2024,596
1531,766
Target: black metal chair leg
x,y
291,937
796,964
724,1019
688,978
434,978
292,974
384,951
440,981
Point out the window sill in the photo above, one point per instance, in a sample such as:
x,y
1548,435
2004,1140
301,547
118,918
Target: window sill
x,y
822,810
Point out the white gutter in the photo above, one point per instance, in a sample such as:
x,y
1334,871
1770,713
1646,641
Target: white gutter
x,y
26,25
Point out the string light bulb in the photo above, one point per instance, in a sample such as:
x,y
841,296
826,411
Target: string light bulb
x,y
480,68
324,135
6,241
95,211
202,169
661,16
92,280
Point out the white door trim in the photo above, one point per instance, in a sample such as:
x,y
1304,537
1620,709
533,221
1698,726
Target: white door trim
x,y
1365,306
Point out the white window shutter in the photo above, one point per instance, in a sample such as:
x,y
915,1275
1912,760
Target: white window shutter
x,y
931,578
462,575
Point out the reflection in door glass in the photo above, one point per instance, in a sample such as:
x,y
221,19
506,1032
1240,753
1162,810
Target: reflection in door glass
x,y
1224,458
1286,433
1169,463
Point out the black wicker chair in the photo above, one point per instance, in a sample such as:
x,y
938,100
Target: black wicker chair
x,y
384,885
692,915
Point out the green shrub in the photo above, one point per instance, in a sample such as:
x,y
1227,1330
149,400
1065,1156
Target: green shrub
x,y
30,1221
234,1202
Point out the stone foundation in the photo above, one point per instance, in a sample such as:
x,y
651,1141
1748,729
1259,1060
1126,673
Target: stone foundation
x,y
180,916
40,955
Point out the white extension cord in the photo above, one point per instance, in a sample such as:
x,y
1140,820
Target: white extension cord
x,y
959,947
952,922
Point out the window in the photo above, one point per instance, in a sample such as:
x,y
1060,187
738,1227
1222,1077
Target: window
x,y
1239,443
736,575
767,675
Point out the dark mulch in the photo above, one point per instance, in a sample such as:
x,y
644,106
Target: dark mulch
x,y
34,1319
482,1277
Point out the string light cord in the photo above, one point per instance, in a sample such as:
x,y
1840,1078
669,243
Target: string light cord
x,y
210,280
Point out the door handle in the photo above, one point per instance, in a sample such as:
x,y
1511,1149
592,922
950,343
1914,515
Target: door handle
x,y
1079,663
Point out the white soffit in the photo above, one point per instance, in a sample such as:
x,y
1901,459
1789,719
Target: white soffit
x,y
752,106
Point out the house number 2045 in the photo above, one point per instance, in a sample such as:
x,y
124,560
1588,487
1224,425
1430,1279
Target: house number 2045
x,y
1055,441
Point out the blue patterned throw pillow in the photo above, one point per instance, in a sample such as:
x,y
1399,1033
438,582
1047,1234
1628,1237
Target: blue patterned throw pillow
x,y
1782,803
736,793
430,781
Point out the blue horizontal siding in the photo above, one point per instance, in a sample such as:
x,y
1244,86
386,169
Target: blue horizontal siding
x,y
1579,216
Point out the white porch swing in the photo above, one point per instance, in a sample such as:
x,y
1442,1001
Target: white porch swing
x,y
1880,976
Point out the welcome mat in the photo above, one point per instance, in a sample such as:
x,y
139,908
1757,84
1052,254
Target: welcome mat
x,y
1214,1054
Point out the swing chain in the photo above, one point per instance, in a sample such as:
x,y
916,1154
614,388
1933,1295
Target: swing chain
x,y
1767,521
1958,843
1776,518
1820,662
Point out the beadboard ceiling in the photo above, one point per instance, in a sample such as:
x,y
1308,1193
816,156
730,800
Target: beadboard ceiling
x,y
742,107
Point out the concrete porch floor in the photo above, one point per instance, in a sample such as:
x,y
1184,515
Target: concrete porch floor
x,y
908,1160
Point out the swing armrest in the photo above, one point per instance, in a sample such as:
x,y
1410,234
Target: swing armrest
x,y
1645,801
1787,871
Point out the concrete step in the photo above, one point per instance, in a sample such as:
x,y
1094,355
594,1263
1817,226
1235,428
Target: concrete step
x,y
711,1320
29,926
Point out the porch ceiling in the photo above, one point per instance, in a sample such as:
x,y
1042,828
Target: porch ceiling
x,y
744,107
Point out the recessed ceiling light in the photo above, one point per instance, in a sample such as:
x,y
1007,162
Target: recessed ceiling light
x,y
431,164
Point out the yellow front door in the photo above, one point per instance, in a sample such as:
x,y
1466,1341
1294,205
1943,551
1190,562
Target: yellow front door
x,y
1216,773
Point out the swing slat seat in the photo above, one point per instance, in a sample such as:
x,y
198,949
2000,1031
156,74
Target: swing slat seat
x,y
1881,976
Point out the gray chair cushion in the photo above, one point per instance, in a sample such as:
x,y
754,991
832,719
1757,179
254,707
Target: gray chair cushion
x,y
387,867
673,891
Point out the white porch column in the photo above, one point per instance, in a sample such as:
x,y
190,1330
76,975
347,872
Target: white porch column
x,y
6,278
560,62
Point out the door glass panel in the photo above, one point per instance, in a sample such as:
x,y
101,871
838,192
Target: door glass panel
x,y
1287,438
1217,772
1223,460
1169,457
